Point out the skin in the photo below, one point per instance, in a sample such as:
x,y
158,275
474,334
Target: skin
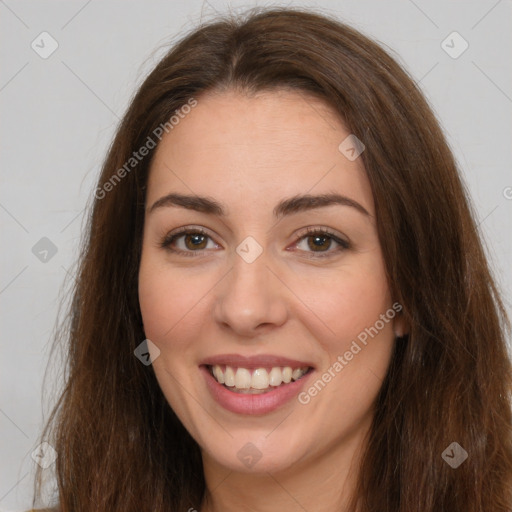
x,y
249,153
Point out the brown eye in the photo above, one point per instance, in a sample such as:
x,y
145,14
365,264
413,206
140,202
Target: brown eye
x,y
195,241
319,242
188,242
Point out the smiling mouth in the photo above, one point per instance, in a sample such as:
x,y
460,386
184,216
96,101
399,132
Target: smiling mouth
x,y
256,380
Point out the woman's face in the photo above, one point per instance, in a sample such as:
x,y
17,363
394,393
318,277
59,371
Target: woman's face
x,y
274,336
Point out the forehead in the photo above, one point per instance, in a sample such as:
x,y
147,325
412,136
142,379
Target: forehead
x,y
257,149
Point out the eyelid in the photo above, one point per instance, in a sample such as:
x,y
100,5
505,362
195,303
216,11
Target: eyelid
x,y
312,230
183,230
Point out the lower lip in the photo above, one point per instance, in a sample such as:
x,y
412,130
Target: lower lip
x,y
262,403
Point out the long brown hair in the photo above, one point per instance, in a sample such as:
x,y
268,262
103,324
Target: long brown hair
x,y
119,444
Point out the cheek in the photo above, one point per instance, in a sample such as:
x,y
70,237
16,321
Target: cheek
x,y
156,301
358,311
169,300
348,302
175,310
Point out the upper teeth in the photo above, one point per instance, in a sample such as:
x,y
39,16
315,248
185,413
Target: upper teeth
x,y
241,378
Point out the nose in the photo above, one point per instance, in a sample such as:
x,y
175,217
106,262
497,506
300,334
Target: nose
x,y
250,299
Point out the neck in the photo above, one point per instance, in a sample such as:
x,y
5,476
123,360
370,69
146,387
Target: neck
x,y
324,483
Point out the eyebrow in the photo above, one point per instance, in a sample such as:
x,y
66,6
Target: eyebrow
x,y
295,204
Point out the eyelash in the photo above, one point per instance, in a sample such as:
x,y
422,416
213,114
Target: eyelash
x,y
309,232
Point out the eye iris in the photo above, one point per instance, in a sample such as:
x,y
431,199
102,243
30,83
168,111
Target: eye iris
x,y
196,240
316,238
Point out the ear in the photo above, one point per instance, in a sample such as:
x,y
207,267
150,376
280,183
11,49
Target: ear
x,y
400,326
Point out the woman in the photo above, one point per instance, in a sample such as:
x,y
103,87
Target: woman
x,y
283,302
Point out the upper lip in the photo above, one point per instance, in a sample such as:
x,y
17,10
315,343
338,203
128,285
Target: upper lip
x,y
257,361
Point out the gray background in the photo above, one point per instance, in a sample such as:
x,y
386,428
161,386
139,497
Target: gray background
x,y
58,116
